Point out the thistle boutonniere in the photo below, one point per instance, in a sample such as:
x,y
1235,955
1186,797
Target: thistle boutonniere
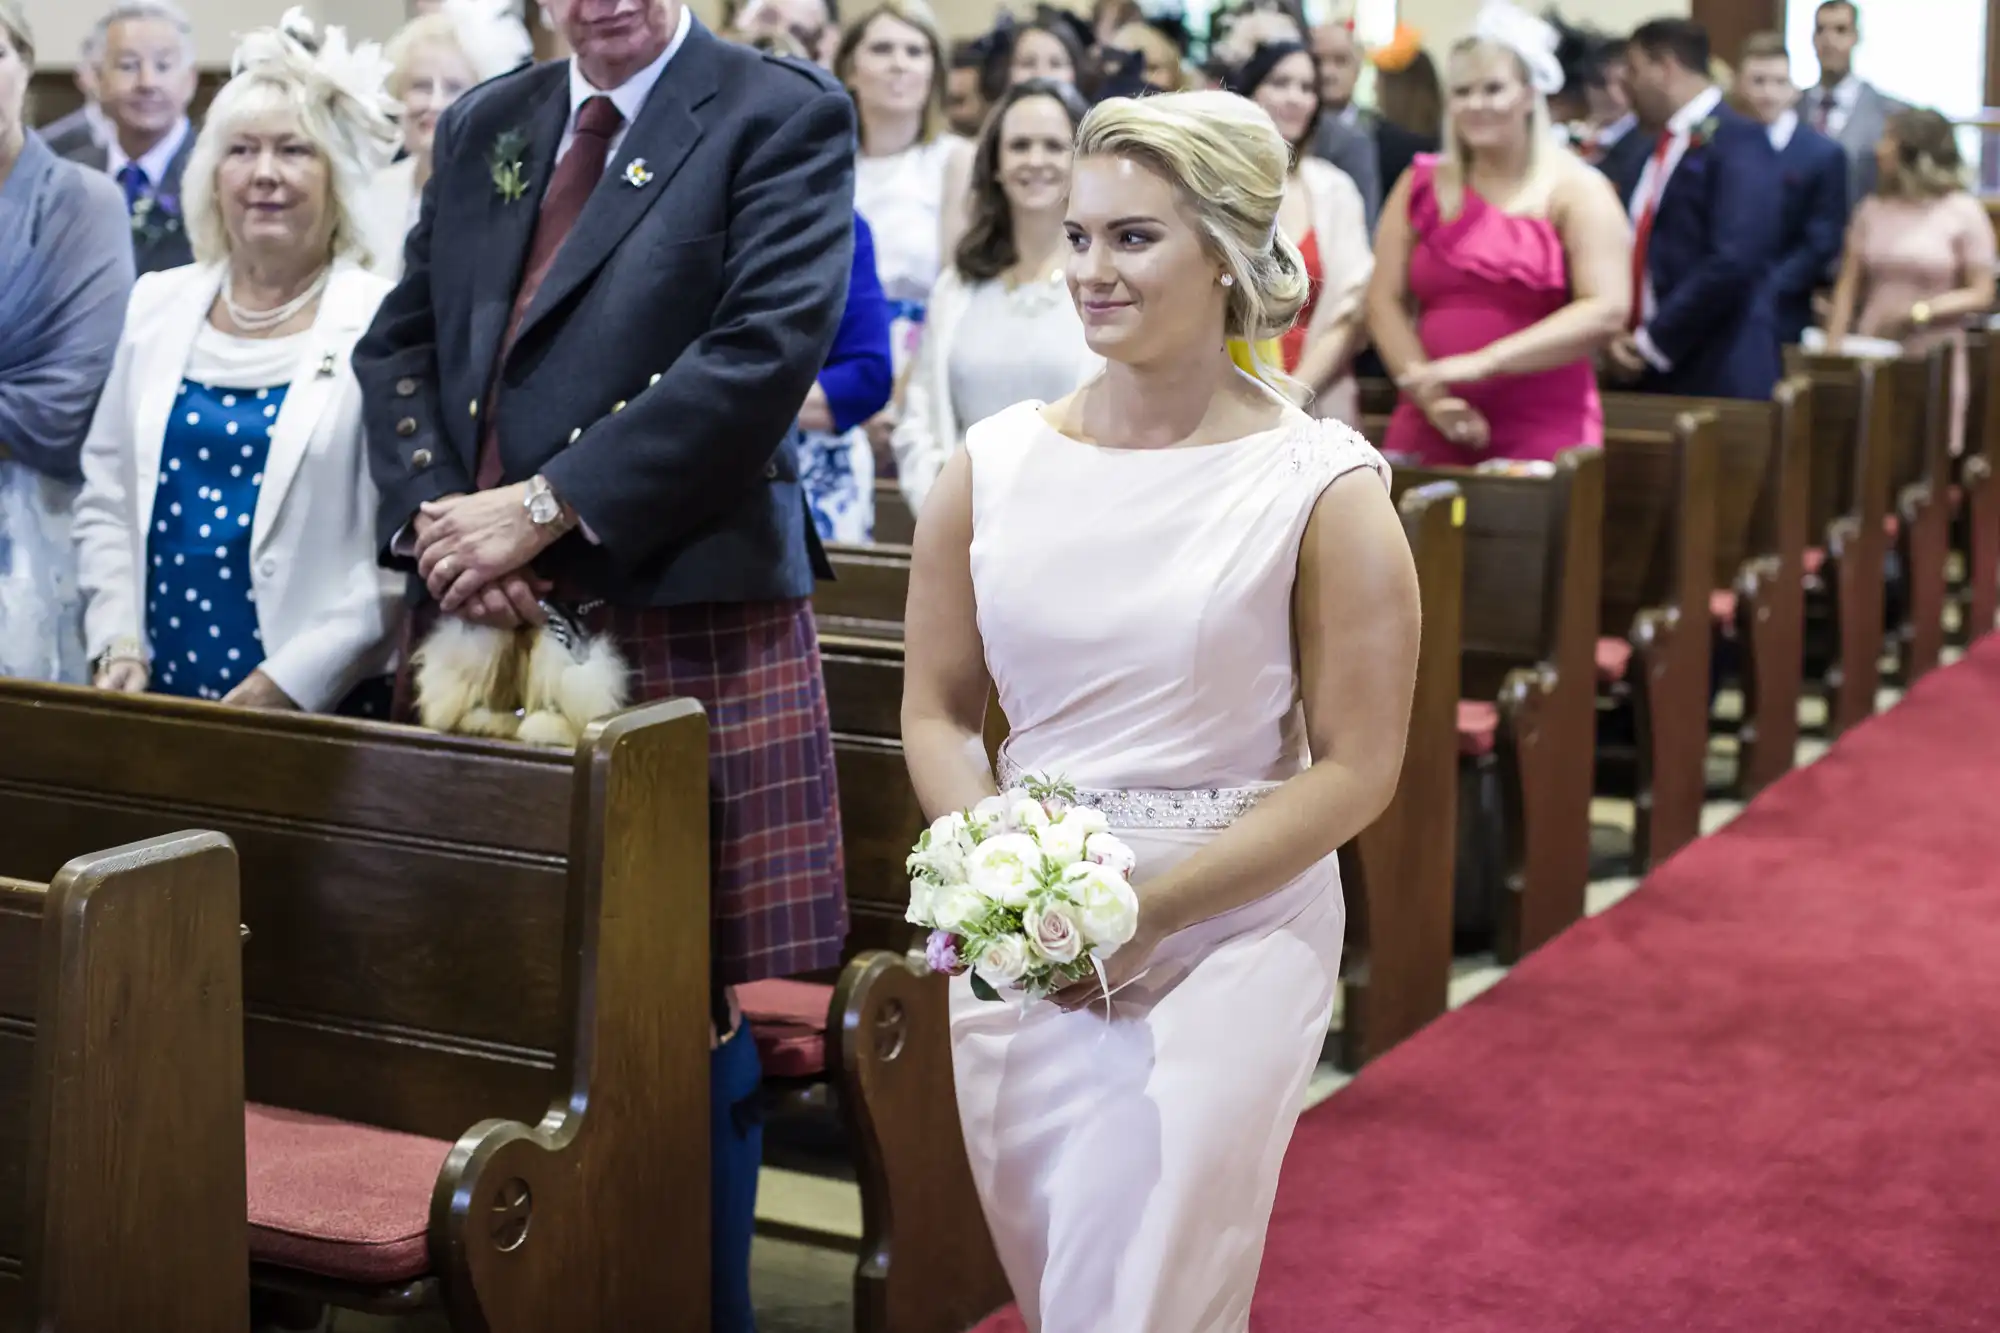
x,y
1704,133
510,179
155,217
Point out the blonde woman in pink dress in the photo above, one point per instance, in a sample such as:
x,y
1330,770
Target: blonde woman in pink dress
x,y
1920,252
1184,590
1501,267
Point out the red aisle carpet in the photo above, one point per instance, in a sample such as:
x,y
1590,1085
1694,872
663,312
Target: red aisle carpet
x,y
1762,1095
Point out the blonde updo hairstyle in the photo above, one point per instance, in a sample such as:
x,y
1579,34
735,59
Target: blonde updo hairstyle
x,y
339,98
1229,164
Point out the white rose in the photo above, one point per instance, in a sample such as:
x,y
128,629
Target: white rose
x,y
941,851
1106,906
1053,932
1063,841
1002,869
989,817
1026,815
1111,853
1003,962
921,904
955,907
1089,820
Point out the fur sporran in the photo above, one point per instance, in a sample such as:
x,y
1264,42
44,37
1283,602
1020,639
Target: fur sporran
x,y
541,684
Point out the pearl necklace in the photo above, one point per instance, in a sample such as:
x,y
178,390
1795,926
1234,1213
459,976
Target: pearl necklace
x,y
263,321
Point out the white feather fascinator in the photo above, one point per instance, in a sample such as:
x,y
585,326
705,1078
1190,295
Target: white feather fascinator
x,y
491,34
344,87
1528,37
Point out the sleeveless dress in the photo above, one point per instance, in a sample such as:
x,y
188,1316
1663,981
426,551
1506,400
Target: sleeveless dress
x,y
1135,607
1478,278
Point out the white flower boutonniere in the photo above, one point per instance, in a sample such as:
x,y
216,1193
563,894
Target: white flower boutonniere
x,y
510,180
637,173
1704,133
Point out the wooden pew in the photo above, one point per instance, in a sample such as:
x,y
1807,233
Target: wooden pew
x,y
1978,496
895,525
1854,418
1760,540
866,594
1532,577
477,999
1654,623
1921,498
121,1093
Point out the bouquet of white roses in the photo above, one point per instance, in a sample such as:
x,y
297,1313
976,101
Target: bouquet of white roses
x,y
1027,890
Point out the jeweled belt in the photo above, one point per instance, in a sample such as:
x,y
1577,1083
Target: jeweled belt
x,y
1156,808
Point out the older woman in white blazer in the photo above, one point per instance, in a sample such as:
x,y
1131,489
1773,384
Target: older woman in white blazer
x,y
225,527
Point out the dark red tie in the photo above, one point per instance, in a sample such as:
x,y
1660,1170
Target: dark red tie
x,y
1823,113
581,168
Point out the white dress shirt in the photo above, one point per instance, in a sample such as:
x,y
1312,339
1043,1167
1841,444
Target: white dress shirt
x,y
1782,129
1653,188
154,162
629,97
1841,100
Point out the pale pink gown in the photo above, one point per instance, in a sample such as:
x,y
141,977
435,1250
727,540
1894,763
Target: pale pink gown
x,y
1136,608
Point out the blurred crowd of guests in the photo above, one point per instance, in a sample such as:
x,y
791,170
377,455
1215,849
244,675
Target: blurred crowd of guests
x,y
184,501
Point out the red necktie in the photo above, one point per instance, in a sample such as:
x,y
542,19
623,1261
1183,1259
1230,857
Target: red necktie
x,y
1643,236
1823,113
581,168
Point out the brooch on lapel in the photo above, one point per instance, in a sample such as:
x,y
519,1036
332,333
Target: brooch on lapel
x,y
510,181
326,367
637,173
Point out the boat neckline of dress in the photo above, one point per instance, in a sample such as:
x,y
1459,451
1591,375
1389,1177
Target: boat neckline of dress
x,y
1048,427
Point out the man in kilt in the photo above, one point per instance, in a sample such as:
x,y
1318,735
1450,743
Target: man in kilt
x,y
628,268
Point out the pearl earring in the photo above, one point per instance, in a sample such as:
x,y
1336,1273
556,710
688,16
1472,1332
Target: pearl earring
x,y
1228,280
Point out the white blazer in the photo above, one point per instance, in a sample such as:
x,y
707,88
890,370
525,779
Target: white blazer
x,y
385,210
325,610
928,430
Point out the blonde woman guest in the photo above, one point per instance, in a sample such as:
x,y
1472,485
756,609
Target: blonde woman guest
x,y
1502,267
65,276
910,175
1001,326
1920,251
1165,68
434,60
1324,216
226,527
1125,1146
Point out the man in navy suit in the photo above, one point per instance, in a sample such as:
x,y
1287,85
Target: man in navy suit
x,y
1813,172
1705,232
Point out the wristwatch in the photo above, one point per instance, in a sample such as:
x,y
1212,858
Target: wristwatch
x,y
544,509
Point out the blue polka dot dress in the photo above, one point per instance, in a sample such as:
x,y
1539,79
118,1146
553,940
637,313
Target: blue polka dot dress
x,y
201,611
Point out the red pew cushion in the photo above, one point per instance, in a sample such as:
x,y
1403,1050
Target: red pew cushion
x,y
1614,659
1478,724
338,1199
788,1020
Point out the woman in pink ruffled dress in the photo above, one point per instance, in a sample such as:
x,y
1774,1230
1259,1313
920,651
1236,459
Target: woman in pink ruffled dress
x,y
1501,268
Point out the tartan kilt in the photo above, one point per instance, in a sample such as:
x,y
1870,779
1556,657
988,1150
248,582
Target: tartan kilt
x,y
776,874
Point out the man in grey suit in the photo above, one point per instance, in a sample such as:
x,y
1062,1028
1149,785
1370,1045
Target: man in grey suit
x,y
1841,106
145,83
1345,136
627,271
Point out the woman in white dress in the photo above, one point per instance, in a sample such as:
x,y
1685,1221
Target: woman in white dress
x,y
1000,326
434,60
1183,589
909,174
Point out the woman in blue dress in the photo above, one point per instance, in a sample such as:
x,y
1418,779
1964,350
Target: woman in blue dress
x,y
836,462
65,275
226,527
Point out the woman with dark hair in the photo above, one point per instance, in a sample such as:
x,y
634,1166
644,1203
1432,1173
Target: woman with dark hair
x,y
1920,251
1324,216
1001,327
1047,49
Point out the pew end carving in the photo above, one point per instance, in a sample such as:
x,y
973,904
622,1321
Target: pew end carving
x,y
124,977
927,1261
